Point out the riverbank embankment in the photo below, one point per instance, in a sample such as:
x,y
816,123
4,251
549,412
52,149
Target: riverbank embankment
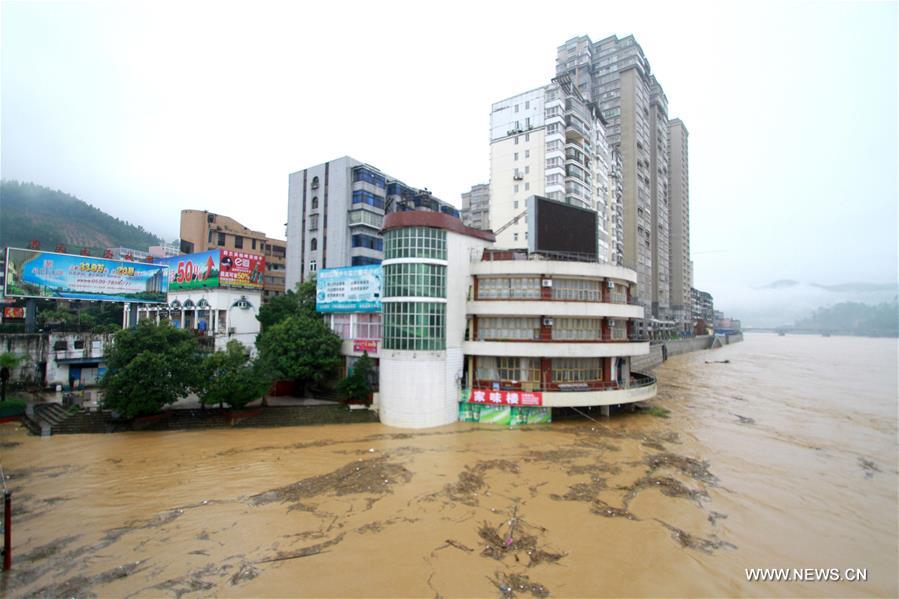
x,y
662,350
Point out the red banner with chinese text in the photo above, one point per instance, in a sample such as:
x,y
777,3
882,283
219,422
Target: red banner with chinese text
x,y
506,398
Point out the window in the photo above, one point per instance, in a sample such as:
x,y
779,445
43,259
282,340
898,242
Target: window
x,y
527,170
527,137
527,105
340,324
516,140
509,287
254,244
221,239
210,237
527,153
312,266
527,186
416,242
368,326
415,280
576,370
576,289
414,325
517,370
313,222
365,175
576,328
516,156
516,108
314,202
516,188
508,328
238,242
314,182
361,196
366,218
60,345
79,344
515,204
360,240
313,245
364,261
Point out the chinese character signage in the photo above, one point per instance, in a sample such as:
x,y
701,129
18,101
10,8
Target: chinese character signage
x,y
490,397
215,268
13,313
349,289
51,275
366,345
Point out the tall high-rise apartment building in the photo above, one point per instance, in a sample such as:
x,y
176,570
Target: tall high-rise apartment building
x,y
550,141
681,265
476,207
615,75
335,211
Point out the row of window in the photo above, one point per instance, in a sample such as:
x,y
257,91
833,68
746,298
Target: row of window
x,y
524,328
364,261
367,218
220,240
527,370
368,176
416,242
356,326
414,280
361,240
585,290
414,325
361,196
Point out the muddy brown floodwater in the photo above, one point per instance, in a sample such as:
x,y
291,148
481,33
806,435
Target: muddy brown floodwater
x,y
783,458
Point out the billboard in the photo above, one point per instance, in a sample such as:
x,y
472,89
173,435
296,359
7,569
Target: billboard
x,y
51,275
556,227
214,268
349,289
13,313
506,398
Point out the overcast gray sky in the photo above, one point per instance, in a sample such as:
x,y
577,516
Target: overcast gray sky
x,y
145,108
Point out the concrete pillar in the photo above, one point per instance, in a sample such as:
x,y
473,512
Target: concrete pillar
x,y
605,411
132,316
626,373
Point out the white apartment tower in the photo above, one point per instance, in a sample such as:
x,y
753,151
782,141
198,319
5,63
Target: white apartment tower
x,y
681,265
551,142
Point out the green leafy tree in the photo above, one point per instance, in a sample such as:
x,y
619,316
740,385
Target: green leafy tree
x,y
293,303
8,363
299,347
231,377
357,386
149,367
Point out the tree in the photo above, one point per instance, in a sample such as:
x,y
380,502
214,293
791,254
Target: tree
x,y
357,386
299,347
293,303
231,377
149,367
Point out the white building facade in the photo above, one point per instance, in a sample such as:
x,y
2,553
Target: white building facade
x,y
462,318
551,142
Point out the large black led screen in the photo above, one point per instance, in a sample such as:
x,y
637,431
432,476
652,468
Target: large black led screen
x,y
558,227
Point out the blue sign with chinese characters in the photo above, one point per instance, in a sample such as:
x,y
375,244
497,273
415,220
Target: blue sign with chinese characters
x,y
349,289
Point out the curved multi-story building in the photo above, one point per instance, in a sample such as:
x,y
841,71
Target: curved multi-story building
x,y
464,321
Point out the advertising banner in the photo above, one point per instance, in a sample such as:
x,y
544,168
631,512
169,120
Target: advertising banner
x,y
13,313
214,268
192,271
50,275
506,398
366,345
349,289
241,270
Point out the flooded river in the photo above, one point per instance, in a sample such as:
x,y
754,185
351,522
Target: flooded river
x,y
783,458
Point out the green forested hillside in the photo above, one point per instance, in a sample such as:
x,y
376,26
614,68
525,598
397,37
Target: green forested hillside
x,y
29,211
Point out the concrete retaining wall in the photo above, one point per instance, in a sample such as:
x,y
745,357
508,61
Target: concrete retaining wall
x,y
659,352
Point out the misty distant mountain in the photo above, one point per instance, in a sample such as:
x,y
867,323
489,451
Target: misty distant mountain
x,y
779,284
857,287
29,211
855,318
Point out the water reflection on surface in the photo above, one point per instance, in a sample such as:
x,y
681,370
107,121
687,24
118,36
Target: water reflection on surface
x,y
785,457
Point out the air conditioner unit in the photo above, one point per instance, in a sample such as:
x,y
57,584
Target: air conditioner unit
x,y
611,284
547,322
518,176
546,283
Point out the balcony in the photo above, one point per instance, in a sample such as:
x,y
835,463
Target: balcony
x,y
639,387
556,349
